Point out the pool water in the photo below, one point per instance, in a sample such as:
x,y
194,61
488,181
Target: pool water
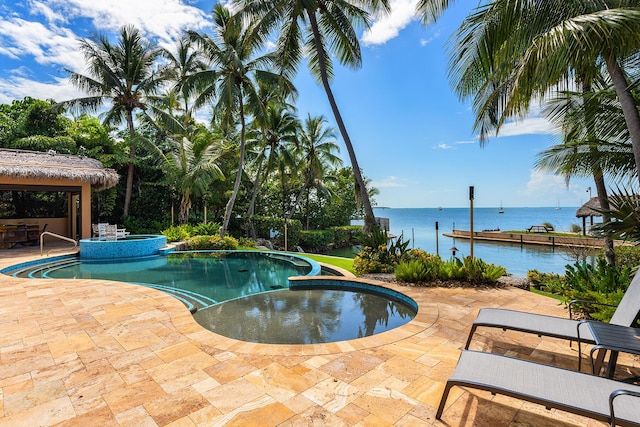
x,y
199,279
305,316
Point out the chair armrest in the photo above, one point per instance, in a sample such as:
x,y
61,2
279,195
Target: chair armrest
x,y
584,301
617,393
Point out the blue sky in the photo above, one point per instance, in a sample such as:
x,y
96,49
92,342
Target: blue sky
x,y
412,135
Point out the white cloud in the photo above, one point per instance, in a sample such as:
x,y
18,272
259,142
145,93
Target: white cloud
x,y
444,146
162,18
471,141
48,46
40,8
386,27
390,181
541,182
424,42
528,126
17,87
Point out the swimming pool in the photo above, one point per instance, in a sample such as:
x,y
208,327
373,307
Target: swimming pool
x,y
264,297
313,310
199,279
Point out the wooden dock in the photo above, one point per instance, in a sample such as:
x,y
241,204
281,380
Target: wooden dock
x,y
546,239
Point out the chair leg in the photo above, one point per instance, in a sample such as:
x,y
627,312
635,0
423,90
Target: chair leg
x,y
473,331
443,399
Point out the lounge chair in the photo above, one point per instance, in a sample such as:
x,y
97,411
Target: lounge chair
x,y
591,396
625,315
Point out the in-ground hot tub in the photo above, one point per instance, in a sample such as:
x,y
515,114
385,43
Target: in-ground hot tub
x,y
135,245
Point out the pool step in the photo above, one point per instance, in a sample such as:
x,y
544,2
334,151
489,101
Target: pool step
x,y
194,301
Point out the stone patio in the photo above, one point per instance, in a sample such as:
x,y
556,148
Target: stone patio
x,y
91,352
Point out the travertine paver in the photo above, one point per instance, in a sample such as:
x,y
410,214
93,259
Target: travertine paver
x,y
90,352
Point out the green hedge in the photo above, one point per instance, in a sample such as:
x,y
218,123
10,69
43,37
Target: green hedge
x,y
196,243
316,240
347,235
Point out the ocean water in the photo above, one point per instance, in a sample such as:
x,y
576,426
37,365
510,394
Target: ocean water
x,y
418,225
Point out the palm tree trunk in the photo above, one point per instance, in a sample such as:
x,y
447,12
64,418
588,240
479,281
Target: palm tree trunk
x,y
369,218
185,205
236,185
629,109
252,205
130,168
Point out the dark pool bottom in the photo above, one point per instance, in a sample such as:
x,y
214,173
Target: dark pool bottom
x,y
308,315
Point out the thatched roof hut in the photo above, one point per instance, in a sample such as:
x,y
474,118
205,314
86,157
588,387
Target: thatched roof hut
x,y
589,209
77,176
33,165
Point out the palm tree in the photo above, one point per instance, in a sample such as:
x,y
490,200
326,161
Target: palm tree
x,y
182,63
277,138
317,148
231,80
591,146
191,165
323,29
124,75
509,53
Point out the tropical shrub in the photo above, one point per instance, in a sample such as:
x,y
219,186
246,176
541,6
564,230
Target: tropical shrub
x,y
452,269
177,233
547,282
601,282
381,258
415,271
316,240
247,242
214,242
374,260
417,268
628,256
347,235
208,229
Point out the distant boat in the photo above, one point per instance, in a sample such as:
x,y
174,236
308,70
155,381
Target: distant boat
x,y
439,208
501,210
558,206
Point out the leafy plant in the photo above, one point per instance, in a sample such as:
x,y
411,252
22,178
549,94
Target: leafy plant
x,y
602,283
624,211
415,272
177,233
375,238
211,243
628,256
316,240
452,269
208,229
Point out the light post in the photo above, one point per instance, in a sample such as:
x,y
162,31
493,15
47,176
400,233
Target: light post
x,y
589,191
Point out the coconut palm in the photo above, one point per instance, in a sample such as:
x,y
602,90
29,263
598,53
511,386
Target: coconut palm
x,y
591,146
191,164
510,52
317,155
123,75
322,29
277,137
231,80
182,63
